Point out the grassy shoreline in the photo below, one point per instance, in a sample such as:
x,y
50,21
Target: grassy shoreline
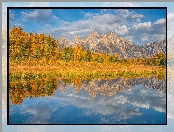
x,y
86,70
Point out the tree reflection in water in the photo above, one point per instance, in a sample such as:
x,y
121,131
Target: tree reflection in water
x,y
21,90
35,88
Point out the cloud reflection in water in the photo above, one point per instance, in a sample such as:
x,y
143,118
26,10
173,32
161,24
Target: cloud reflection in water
x,y
131,99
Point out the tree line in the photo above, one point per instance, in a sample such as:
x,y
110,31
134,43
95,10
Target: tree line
x,y
41,49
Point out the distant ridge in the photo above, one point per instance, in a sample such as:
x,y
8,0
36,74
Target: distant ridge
x,y
110,43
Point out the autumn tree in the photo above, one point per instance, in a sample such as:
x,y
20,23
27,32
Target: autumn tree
x,y
99,58
113,58
67,54
16,40
87,57
77,53
30,48
159,59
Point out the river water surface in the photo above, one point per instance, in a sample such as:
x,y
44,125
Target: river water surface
x,y
114,101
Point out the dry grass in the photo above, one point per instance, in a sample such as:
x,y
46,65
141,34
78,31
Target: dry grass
x,y
86,70
85,66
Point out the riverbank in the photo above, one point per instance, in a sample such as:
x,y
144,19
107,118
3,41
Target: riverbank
x,y
86,70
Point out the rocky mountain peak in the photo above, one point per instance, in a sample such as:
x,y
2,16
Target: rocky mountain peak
x,y
110,43
93,34
92,39
62,38
76,40
62,42
94,31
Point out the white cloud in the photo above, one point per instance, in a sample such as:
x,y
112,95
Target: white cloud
x,y
160,21
170,26
144,38
39,15
170,86
102,105
38,4
4,114
40,112
4,14
129,15
103,23
20,4
119,4
118,128
47,26
170,16
13,20
170,105
124,23
141,26
122,30
116,105
32,129
143,33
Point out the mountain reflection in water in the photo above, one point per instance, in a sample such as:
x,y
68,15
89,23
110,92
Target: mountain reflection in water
x,y
46,87
111,101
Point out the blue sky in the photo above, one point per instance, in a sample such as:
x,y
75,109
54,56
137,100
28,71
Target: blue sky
x,y
125,128
139,26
